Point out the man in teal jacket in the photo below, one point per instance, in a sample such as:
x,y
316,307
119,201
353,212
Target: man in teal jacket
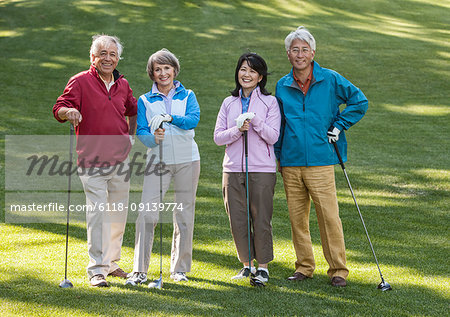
x,y
309,98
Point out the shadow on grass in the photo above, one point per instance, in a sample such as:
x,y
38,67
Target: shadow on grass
x,y
212,297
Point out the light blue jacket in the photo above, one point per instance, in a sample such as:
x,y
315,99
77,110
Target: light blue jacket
x,y
178,145
305,119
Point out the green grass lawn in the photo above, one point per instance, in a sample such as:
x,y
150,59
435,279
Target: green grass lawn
x,y
396,51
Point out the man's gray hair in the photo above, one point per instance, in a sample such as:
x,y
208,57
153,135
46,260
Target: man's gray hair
x,y
163,57
301,34
103,40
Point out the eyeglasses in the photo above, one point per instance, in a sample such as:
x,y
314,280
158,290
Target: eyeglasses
x,y
297,51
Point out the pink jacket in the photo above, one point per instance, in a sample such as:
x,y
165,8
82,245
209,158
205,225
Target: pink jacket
x,y
262,135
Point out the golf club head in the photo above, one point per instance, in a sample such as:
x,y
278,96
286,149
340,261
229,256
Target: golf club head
x,y
65,283
156,284
255,282
384,286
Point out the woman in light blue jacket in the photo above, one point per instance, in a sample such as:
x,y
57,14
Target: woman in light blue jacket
x,y
250,108
170,106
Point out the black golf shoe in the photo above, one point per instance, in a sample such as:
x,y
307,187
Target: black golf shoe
x,y
243,273
262,275
179,277
136,278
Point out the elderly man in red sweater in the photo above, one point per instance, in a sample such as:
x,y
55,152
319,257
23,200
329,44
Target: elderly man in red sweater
x,y
97,103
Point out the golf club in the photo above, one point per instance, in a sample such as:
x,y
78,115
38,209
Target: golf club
x,y
253,281
384,286
158,283
65,283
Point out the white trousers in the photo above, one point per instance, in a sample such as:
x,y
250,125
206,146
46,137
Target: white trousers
x,y
185,177
107,208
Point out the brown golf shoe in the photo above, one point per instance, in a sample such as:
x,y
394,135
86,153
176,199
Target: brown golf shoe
x,y
118,273
338,281
297,277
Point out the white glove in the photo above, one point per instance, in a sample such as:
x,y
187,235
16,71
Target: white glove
x,y
245,116
156,121
333,134
131,139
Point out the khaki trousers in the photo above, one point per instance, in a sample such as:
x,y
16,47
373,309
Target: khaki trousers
x,y
185,177
261,190
302,184
106,216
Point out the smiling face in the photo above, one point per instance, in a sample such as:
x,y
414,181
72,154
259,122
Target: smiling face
x,y
164,75
300,55
106,60
248,78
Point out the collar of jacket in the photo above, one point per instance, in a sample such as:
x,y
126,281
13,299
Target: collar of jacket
x,y
316,77
255,93
116,73
178,87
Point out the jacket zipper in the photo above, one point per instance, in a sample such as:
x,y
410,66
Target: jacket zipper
x,y
103,84
109,91
304,117
304,128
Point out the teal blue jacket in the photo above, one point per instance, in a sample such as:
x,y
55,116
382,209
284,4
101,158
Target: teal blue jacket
x,y
305,119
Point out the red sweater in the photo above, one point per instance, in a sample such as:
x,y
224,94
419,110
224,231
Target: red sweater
x,y
102,135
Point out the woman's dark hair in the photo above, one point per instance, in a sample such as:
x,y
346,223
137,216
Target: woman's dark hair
x,y
258,64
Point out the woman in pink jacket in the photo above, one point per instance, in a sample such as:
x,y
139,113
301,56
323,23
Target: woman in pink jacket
x,y
250,108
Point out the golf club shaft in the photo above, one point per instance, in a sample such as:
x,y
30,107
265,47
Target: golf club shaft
x,y
160,204
357,207
69,189
247,199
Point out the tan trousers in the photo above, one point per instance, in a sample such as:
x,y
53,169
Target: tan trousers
x,y
185,177
261,190
105,190
302,184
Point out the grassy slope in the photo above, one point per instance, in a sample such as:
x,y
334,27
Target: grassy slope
x,y
396,51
